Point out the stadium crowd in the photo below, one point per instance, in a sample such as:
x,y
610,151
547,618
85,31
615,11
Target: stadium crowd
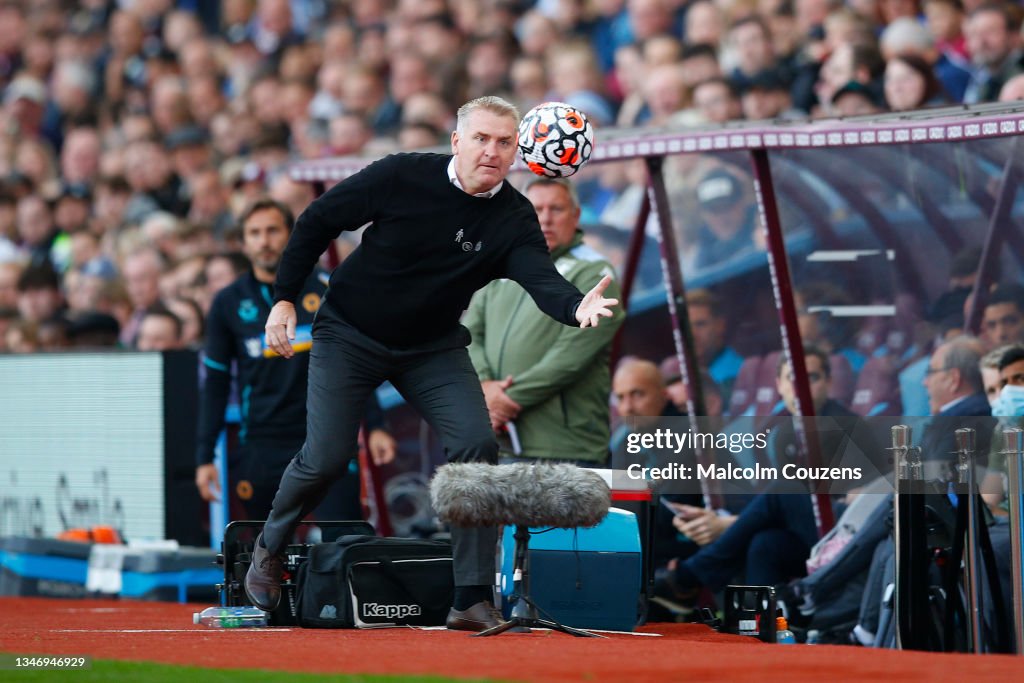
x,y
134,132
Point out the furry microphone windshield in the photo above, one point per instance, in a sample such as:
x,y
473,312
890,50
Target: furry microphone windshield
x,y
556,495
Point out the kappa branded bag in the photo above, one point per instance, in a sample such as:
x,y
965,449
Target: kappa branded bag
x,y
368,582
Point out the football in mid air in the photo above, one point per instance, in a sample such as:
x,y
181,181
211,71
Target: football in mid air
x,y
555,139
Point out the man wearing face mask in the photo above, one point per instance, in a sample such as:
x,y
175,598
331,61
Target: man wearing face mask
x,y
1008,406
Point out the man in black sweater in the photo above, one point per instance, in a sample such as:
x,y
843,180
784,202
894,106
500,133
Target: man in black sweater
x,y
440,228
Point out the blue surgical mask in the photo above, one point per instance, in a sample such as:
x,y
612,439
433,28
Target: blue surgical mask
x,y
1010,402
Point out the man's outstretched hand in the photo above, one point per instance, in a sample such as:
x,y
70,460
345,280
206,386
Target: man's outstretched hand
x,y
594,306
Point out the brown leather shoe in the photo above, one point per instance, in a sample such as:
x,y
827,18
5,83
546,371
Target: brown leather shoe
x,y
480,617
263,580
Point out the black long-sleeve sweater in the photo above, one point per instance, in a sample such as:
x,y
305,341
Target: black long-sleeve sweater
x,y
429,247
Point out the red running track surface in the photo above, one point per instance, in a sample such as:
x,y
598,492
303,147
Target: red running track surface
x,y
163,632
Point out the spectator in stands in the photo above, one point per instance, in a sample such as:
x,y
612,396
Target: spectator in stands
x,y
545,383
649,18
188,312
1002,322
39,236
141,271
39,295
348,134
160,330
818,325
766,96
1011,373
1008,412
71,210
751,40
640,399
208,202
80,156
860,64
728,216
664,93
676,389
955,391
994,45
910,84
295,195
223,269
709,327
718,100
699,63
990,378
705,24
944,20
24,104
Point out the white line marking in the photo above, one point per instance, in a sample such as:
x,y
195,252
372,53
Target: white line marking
x,y
170,630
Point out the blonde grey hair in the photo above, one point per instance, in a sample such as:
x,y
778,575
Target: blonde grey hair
x,y
491,103
574,196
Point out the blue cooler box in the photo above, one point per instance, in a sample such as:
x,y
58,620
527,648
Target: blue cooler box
x,y
587,578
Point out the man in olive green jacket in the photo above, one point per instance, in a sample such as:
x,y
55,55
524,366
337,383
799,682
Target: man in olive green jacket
x,y
546,384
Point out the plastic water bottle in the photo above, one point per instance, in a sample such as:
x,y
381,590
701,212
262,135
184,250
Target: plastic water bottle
x,y
230,617
783,636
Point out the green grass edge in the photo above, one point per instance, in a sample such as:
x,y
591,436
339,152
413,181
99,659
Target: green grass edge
x,y
103,670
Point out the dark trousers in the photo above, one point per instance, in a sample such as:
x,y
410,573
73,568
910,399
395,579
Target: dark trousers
x,y
771,539
438,380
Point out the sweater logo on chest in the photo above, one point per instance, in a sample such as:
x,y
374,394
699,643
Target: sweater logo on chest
x,y
467,246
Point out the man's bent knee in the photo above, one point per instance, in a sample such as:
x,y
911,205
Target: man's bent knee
x,y
484,449
331,464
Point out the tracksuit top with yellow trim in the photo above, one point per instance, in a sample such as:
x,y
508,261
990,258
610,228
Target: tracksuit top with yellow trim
x,y
272,390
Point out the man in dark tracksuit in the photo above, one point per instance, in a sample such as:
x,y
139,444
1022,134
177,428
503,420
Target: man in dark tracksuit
x,y
440,228
272,390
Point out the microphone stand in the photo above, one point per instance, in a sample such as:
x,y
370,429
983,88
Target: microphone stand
x,y
909,534
1014,452
526,613
967,497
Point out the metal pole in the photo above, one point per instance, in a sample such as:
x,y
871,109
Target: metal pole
x,y
999,225
629,271
1014,452
792,347
965,446
682,333
901,439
